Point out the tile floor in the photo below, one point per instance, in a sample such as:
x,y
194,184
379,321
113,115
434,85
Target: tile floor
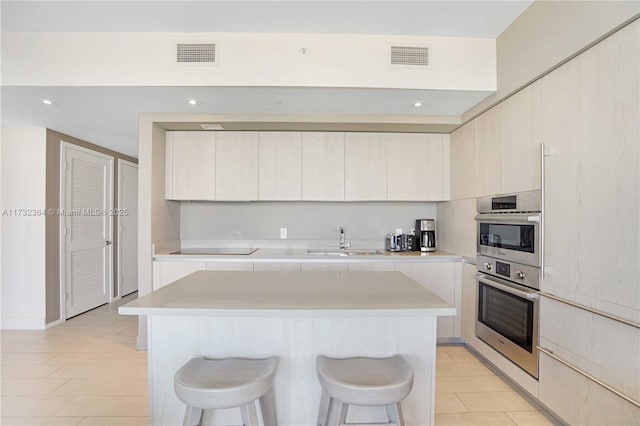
x,y
87,372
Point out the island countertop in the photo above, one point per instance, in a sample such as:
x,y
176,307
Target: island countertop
x,y
277,294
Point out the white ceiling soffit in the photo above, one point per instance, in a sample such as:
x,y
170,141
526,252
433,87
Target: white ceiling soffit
x,y
481,19
108,116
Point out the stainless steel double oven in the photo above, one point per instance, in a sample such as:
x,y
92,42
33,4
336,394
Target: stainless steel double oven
x,y
508,265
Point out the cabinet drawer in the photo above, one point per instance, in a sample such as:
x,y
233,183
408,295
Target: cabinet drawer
x,y
579,400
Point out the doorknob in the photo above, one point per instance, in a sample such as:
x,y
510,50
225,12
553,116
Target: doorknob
x,y
107,243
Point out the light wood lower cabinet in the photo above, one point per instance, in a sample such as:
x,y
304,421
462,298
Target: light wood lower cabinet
x,y
276,266
167,272
469,302
324,266
371,266
580,401
230,266
440,278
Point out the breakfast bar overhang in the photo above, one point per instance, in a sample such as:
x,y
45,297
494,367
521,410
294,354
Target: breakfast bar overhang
x,y
294,316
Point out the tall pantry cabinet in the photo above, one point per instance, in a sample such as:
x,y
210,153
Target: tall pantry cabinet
x,y
590,126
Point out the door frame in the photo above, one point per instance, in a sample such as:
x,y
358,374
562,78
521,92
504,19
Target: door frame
x,y
62,218
120,163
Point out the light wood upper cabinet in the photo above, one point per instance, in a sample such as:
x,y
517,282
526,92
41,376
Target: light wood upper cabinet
x,y
365,166
463,162
190,166
508,145
521,154
415,167
237,166
280,166
323,166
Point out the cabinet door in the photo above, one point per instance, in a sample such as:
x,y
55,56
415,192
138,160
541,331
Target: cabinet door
x,y
324,267
365,166
414,167
590,123
469,301
190,166
508,145
520,134
463,162
489,152
580,401
438,278
323,166
168,272
237,166
280,166
229,266
276,266
371,266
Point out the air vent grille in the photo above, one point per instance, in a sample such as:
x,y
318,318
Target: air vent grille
x,y
200,53
405,55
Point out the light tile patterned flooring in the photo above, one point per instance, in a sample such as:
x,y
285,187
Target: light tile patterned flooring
x,y
87,372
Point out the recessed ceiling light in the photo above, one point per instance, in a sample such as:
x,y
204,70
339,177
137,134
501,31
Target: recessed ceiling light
x,y
209,126
47,101
418,104
193,101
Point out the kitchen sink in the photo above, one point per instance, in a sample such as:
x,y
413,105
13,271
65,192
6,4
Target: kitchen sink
x,y
334,252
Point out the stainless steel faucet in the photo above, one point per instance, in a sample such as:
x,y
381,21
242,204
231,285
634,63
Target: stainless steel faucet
x,y
343,243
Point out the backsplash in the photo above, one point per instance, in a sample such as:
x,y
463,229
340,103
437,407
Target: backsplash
x,y
303,220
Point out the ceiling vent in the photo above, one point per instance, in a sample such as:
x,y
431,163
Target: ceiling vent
x,y
196,53
410,56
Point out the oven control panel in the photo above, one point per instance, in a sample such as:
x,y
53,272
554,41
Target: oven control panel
x,y
521,274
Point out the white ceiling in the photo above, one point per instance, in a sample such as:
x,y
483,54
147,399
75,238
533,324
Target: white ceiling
x,y
108,116
481,19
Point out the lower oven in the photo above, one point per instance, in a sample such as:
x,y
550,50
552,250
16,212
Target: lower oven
x,y
508,320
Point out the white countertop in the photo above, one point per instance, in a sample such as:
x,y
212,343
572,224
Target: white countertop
x,y
301,255
278,294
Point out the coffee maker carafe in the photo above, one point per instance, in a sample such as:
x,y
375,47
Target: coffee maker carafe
x,y
425,235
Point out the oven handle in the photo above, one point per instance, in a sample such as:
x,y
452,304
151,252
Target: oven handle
x,y
507,288
522,218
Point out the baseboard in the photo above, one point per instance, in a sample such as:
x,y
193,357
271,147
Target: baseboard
x,y
449,340
54,323
23,323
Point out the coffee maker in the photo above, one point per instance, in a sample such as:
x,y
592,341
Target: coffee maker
x,y
425,239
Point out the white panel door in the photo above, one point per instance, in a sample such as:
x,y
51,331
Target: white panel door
x,y
127,215
87,253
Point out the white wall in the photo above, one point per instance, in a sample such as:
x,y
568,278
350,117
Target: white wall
x,y
367,223
23,237
148,59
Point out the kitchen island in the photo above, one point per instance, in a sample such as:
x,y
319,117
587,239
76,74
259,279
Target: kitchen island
x,y
294,316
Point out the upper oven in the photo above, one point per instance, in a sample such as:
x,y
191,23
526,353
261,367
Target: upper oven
x,y
509,227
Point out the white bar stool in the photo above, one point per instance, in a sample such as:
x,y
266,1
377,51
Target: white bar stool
x,y
212,384
362,381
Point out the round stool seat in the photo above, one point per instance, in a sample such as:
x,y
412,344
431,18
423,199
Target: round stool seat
x,y
366,381
211,384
